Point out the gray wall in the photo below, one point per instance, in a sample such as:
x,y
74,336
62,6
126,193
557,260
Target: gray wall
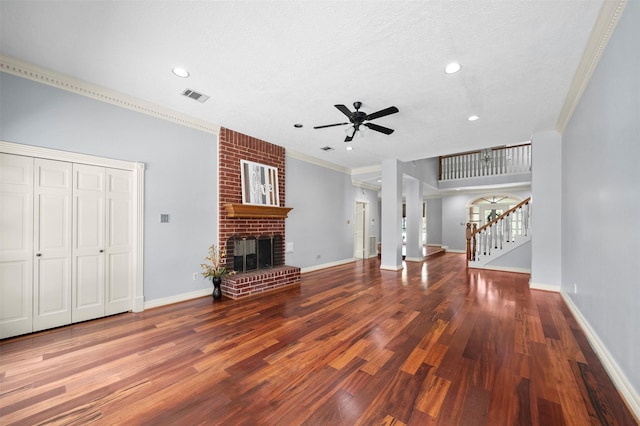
x,y
320,226
434,221
180,177
601,198
519,259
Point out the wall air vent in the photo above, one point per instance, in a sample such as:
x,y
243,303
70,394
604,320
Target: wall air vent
x,y
326,148
195,95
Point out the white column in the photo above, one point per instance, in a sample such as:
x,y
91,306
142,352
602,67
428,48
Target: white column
x,y
546,193
391,257
413,201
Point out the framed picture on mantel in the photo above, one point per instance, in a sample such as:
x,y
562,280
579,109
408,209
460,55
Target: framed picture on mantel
x,y
259,184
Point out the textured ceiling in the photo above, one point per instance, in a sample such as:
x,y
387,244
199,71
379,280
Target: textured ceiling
x,y
267,65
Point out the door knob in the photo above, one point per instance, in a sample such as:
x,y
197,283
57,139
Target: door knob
x,y
39,254
101,251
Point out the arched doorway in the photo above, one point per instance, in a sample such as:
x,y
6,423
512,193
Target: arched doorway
x,y
484,209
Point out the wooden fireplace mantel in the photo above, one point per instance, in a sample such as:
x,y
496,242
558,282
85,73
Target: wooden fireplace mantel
x,y
250,211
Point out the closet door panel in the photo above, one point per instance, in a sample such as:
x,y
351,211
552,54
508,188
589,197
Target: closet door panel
x,y
119,275
16,245
52,244
88,242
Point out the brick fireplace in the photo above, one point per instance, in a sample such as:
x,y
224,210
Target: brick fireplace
x,y
251,222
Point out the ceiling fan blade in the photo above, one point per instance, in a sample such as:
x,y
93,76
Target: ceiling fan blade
x,y
343,109
349,138
381,113
381,129
329,125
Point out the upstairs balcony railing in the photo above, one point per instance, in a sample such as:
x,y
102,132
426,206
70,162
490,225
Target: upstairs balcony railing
x,y
486,162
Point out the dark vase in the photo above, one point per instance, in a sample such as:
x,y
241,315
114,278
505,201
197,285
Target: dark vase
x,y
217,293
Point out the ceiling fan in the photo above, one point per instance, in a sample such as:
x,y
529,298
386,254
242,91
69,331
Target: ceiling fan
x,y
358,118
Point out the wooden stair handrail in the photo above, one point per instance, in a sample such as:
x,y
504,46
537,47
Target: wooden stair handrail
x,y
472,232
502,216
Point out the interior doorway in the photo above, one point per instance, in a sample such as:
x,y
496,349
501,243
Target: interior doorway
x,y
360,230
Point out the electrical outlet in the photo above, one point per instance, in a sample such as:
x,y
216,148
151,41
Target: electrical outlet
x,y
318,257
195,276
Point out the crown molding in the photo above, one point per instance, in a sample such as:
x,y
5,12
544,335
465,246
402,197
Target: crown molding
x,y
365,185
318,162
606,22
60,81
366,169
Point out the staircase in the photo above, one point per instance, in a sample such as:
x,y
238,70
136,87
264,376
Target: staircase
x,y
502,235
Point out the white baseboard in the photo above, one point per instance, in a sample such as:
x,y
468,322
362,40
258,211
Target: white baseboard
x,y
621,382
448,250
178,298
414,259
545,287
391,267
505,269
326,265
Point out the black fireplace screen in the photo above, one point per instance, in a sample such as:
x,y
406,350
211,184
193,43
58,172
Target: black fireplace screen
x,y
245,254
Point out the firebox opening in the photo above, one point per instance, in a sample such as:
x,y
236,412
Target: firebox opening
x,y
250,253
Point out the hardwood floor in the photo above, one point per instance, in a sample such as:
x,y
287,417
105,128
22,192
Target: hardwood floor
x,y
433,344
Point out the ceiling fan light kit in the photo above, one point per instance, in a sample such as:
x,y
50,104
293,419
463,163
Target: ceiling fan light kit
x,y
357,119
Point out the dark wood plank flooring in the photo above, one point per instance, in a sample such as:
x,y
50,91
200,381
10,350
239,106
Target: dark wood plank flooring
x,y
433,344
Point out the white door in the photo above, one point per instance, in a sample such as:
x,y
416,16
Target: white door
x,y
119,248
88,282
16,245
359,231
52,244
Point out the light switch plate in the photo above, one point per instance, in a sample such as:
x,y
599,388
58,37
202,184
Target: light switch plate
x,y
164,218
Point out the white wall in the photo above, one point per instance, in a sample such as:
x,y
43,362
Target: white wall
x,y
180,177
601,199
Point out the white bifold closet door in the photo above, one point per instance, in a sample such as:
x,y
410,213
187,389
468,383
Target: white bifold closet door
x,y
102,270
66,245
16,245
52,244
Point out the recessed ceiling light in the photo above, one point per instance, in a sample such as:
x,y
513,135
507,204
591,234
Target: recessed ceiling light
x,y
349,148
180,72
297,125
473,118
452,68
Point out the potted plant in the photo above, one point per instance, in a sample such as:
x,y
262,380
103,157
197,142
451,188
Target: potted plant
x,y
216,268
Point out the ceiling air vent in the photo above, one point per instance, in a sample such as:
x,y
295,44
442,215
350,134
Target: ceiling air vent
x,y
326,148
195,95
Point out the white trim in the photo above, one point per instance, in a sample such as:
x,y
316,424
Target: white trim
x,y
365,185
138,202
392,267
414,259
366,169
448,250
156,303
60,81
504,269
138,243
326,265
322,163
544,287
619,379
606,22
